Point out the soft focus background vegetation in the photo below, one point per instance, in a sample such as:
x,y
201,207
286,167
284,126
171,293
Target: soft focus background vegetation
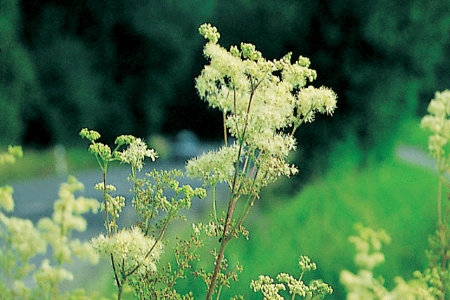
x,y
129,67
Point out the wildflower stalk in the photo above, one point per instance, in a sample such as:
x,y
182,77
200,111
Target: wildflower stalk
x,y
260,100
438,122
234,197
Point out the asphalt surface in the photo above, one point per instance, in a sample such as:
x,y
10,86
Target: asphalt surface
x,y
34,198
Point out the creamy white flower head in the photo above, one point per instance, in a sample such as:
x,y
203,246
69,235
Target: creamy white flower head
x,y
101,186
48,276
130,247
135,154
261,101
23,237
296,287
368,245
267,287
438,122
214,166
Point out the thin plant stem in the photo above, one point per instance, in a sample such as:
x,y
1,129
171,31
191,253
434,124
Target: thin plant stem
x,y
213,196
439,202
223,244
225,137
226,236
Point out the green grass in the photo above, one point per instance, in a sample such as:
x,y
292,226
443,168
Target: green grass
x,y
411,134
36,164
392,195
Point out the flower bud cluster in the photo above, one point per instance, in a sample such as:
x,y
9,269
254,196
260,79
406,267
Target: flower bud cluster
x,y
438,122
6,198
67,216
267,287
368,245
135,154
23,237
271,290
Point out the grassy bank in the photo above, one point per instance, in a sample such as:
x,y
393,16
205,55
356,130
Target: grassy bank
x,y
44,163
393,195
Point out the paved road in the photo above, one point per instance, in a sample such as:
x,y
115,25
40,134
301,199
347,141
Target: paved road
x,y
416,156
34,198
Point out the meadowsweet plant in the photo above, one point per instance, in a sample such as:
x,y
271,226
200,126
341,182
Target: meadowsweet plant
x,y
21,240
134,252
295,286
364,285
263,102
438,122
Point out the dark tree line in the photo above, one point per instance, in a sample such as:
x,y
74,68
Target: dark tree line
x,y
129,66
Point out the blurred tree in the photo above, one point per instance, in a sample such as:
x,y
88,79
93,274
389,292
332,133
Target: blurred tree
x,y
18,83
112,65
128,67
380,57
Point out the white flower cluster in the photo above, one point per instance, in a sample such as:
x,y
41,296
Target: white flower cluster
x,y
67,216
214,166
211,229
298,287
260,100
6,198
438,122
270,290
363,284
131,249
10,157
136,153
368,245
306,264
23,237
267,287
51,276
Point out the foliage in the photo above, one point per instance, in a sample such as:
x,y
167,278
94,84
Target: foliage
x,y
133,61
363,284
107,62
18,79
134,252
437,121
271,290
21,241
434,281
263,103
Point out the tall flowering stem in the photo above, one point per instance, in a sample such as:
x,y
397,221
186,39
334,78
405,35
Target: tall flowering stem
x,y
134,252
263,102
438,122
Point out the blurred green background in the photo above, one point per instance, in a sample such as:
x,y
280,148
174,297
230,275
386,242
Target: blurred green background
x,y
129,66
